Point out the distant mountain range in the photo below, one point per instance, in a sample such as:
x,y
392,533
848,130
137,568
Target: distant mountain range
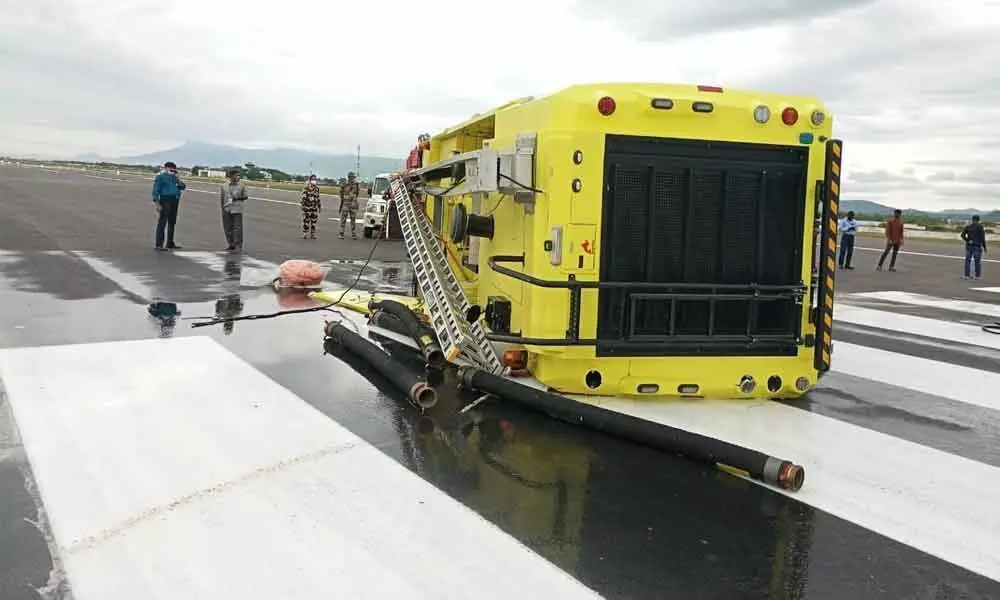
x,y
866,207
295,162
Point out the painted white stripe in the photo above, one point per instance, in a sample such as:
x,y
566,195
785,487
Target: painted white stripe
x,y
260,264
955,382
903,252
106,178
257,198
965,306
903,323
936,502
252,272
173,469
995,290
976,352
126,281
215,261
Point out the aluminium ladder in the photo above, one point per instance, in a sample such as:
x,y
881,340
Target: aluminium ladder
x,y
444,298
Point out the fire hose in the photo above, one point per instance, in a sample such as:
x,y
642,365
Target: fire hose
x,y
717,453
419,392
762,467
412,326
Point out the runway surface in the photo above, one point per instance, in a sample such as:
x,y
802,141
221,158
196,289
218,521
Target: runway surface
x,y
142,458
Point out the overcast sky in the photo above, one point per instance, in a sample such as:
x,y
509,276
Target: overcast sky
x,y
914,85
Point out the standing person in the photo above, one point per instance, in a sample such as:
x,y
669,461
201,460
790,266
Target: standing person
x,y
974,236
893,239
349,205
311,207
167,190
415,159
232,198
848,228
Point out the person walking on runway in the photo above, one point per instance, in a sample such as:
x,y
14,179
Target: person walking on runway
x,y
311,207
167,190
232,199
893,239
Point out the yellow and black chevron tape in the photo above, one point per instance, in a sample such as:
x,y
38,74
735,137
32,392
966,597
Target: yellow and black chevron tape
x,y
828,262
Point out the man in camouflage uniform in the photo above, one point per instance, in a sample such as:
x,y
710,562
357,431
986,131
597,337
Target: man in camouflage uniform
x,y
349,205
311,206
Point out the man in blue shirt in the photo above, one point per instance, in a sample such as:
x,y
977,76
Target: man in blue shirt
x,y
167,190
848,228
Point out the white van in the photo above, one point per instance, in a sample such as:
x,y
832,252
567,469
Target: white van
x,y
375,207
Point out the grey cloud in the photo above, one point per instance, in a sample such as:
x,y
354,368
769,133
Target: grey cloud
x,y
881,176
941,176
61,73
945,189
666,19
893,74
967,197
985,176
889,57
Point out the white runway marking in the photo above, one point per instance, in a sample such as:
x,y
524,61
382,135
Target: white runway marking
x,y
964,306
903,252
936,502
257,198
126,281
897,322
955,382
173,469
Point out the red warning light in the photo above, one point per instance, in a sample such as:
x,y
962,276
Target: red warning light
x,y
606,106
789,116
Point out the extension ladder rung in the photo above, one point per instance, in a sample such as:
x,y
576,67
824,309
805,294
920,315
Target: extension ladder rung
x,y
443,296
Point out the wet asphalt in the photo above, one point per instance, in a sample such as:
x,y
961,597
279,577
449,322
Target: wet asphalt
x,y
76,265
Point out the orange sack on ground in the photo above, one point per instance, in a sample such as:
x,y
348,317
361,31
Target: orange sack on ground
x,y
304,273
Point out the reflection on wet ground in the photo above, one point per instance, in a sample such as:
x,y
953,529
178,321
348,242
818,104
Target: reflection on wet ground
x,y
628,521
25,561
634,523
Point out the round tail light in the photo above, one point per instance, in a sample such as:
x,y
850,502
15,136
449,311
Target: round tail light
x,y
761,114
817,118
606,106
789,116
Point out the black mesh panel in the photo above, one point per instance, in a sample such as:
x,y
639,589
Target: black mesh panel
x,y
696,214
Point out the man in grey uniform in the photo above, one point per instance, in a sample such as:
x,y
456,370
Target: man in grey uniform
x,y
349,193
232,198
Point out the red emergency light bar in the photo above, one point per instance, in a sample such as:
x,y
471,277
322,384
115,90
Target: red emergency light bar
x,y
710,88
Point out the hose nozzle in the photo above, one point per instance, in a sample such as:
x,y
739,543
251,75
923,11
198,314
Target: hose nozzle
x,y
784,474
423,395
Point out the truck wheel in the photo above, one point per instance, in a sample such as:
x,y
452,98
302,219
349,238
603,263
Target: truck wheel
x,y
368,232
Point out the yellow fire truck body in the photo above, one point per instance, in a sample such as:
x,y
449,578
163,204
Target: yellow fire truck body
x,y
647,239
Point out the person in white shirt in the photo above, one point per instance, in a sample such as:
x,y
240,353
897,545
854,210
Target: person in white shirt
x,y
848,228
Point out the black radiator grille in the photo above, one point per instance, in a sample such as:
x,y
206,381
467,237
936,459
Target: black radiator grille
x,y
693,215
